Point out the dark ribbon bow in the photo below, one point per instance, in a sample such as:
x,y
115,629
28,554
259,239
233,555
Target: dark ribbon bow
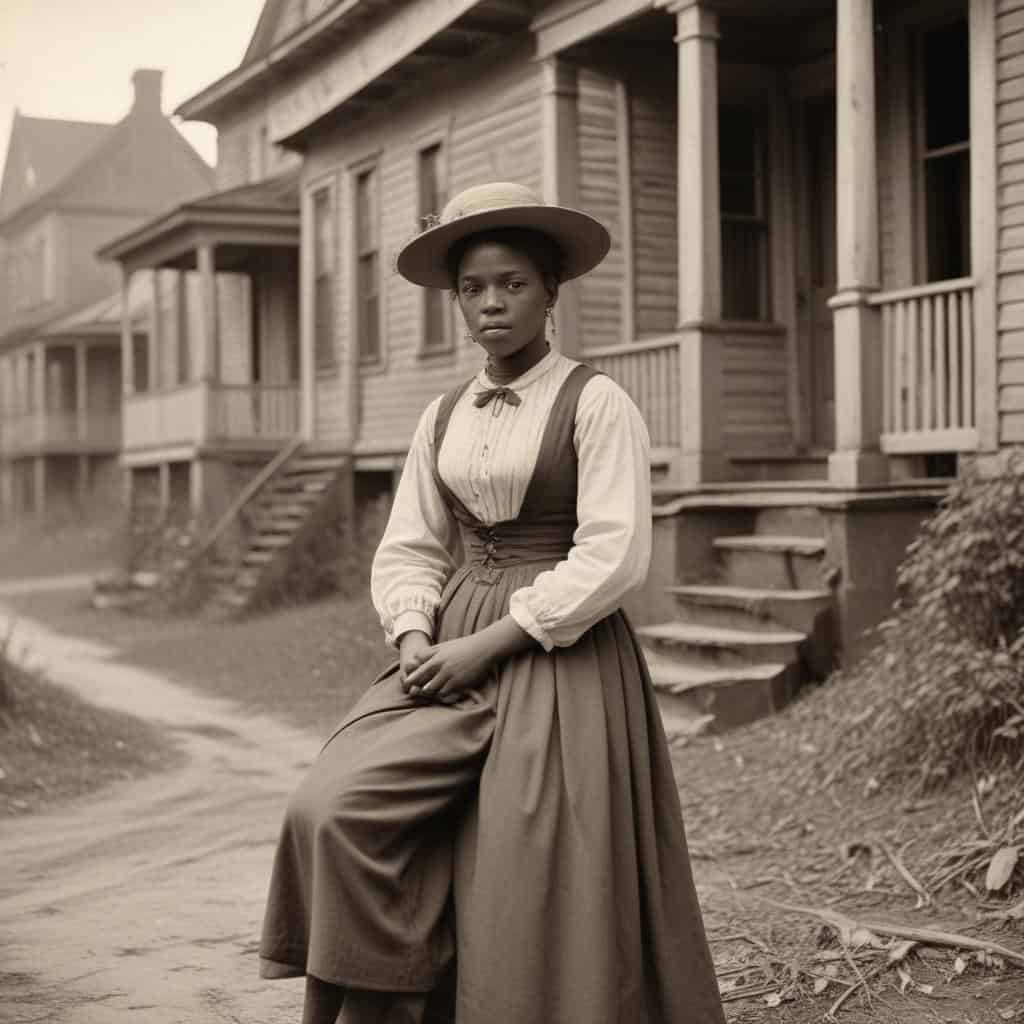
x,y
505,394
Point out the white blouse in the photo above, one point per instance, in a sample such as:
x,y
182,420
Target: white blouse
x,y
487,459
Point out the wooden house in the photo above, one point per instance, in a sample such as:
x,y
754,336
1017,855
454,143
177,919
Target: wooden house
x,y
815,292
67,188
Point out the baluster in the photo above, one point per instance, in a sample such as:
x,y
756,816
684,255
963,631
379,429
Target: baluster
x,y
913,375
887,369
967,382
927,366
955,300
899,376
941,381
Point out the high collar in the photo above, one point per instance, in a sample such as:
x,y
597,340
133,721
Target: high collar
x,y
539,369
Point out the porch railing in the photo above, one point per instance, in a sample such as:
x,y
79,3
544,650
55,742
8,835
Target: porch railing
x,y
649,372
263,411
34,431
929,352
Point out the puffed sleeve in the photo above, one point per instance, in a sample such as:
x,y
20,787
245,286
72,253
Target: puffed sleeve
x,y
612,544
414,559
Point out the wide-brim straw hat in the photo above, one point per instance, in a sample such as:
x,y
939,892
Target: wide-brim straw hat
x,y
583,241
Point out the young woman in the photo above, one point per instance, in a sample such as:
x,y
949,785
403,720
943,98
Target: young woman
x,y
502,798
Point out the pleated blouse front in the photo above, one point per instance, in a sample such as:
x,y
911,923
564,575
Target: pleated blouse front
x,y
487,461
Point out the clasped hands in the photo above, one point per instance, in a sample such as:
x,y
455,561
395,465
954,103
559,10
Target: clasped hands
x,y
444,670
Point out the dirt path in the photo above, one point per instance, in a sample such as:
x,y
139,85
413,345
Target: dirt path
x,y
144,903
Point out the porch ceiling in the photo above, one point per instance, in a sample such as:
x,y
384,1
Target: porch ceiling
x,y
236,221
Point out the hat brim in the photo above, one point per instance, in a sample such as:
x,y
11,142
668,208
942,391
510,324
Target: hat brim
x,y
583,241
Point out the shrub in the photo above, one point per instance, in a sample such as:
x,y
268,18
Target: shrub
x,y
952,656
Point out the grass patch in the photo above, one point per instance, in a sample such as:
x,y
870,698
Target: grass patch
x,y
54,746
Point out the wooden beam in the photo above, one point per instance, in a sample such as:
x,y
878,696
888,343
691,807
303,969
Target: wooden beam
x,y
574,21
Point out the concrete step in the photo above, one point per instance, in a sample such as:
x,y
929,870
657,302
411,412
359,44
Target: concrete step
x,y
728,697
718,646
796,521
269,540
773,562
269,523
316,463
752,608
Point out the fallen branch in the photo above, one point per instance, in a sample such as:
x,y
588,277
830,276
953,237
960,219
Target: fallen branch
x,y
847,926
861,983
901,869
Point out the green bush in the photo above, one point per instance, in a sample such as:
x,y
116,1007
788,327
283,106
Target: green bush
x,y
952,655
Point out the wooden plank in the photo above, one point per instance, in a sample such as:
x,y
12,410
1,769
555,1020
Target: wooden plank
x,y
927,365
967,333
954,342
941,378
889,374
913,418
923,441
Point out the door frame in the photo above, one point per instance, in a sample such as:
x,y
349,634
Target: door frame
x,y
805,83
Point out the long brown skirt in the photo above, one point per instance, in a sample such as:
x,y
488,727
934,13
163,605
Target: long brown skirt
x,y
532,831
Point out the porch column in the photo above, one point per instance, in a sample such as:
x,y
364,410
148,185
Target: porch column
x,y
154,338
700,247
307,354
127,348
207,356
857,460
560,173
38,384
81,392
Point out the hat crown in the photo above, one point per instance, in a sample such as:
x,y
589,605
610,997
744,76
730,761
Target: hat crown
x,y
494,195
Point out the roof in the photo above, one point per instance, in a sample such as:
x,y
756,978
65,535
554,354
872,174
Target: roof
x,y
270,206
44,152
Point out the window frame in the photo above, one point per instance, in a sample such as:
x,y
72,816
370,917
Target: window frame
x,y
437,138
920,156
323,365
371,164
761,220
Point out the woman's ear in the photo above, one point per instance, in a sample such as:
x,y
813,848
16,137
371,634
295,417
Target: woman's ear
x,y
551,285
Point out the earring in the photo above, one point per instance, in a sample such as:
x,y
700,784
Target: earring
x,y
549,312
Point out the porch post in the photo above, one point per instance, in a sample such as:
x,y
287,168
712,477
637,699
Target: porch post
x,y
207,357
127,348
154,339
857,460
81,392
307,354
702,458
560,156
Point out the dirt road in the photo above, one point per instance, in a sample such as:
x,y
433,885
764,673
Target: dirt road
x,y
144,903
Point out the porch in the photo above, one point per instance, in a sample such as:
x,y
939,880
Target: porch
x,y
802,280
212,369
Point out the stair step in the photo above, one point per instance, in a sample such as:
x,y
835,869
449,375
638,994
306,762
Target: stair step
x,y
728,697
720,645
796,521
269,540
253,558
317,462
775,562
752,608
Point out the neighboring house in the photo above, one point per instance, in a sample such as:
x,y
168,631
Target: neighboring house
x,y
67,188
815,292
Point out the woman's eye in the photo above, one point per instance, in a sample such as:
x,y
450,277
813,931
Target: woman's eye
x,y
515,285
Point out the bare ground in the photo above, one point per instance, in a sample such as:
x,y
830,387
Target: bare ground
x,y
767,811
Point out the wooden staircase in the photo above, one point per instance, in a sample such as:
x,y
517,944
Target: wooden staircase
x,y
300,497
745,641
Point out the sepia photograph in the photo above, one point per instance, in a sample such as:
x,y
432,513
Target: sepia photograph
x,y
512,512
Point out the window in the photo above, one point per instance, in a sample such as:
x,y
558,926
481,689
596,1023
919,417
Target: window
x,y
430,173
367,298
743,188
140,361
181,330
324,265
944,134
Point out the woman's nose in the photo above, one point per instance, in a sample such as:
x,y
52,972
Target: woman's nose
x,y
492,300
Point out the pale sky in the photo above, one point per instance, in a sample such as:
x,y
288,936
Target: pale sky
x,y
74,58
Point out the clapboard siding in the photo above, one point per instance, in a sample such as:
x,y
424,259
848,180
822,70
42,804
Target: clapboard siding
x,y
1010,292
653,128
755,392
600,194
489,124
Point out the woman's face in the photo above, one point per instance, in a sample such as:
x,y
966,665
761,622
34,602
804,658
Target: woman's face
x,y
503,297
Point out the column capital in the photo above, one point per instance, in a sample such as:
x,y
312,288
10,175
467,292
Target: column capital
x,y
694,20
559,78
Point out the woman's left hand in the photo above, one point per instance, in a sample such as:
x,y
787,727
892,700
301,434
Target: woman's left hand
x,y
448,668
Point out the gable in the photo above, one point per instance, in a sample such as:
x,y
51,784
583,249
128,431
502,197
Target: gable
x,y
280,19
42,153
145,164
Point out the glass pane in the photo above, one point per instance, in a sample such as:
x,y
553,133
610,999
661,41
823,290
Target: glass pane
x,y
948,216
431,200
737,140
744,294
369,329
434,333
739,194
366,210
323,321
322,233
946,86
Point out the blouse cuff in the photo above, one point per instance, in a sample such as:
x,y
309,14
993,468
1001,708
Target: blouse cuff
x,y
527,622
409,620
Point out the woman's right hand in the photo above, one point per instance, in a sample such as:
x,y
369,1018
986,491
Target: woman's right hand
x,y
412,652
